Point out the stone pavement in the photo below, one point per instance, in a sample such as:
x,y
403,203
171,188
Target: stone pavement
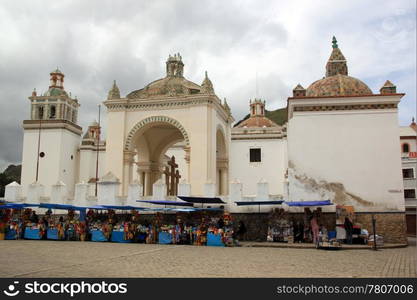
x,y
26,258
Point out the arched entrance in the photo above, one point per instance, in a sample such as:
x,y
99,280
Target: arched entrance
x,y
146,147
222,162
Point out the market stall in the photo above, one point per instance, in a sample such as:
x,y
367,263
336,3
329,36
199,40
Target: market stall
x,y
312,229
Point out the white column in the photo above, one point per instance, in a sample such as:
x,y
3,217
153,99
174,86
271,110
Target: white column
x,y
135,192
224,182
35,192
13,192
147,183
210,189
159,190
108,187
59,193
81,194
184,188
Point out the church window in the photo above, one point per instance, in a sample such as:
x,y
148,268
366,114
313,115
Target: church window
x,y
40,112
408,173
255,154
52,112
406,148
410,193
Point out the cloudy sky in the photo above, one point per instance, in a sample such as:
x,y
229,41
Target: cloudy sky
x,y
281,43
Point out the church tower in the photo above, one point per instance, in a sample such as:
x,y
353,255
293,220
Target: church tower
x,y
51,137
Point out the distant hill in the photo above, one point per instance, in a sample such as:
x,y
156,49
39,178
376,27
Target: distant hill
x,y
279,116
12,173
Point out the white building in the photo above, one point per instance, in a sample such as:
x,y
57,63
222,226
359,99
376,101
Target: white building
x,y
408,137
340,144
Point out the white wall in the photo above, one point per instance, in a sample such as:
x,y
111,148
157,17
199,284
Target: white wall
x,y
358,149
57,165
88,159
271,168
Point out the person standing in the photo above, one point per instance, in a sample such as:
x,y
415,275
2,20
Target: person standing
x,y
315,228
349,230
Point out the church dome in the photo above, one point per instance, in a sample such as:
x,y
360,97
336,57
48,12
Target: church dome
x,y
338,85
257,121
173,84
337,81
56,92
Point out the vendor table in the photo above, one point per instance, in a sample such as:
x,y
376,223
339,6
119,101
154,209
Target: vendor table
x,y
214,240
98,236
32,234
52,234
165,238
117,236
10,235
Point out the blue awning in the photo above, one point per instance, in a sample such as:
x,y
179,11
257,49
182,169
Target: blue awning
x,y
308,203
123,207
205,200
12,206
57,206
163,202
241,203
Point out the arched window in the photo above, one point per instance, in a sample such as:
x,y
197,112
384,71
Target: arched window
x,y
40,112
406,148
52,112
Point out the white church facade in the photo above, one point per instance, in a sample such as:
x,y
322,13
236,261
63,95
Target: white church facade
x,y
340,143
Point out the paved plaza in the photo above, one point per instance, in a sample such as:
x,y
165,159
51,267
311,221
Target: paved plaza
x,y
26,258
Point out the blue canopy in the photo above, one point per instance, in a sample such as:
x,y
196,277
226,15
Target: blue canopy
x,y
240,203
163,202
123,207
204,200
12,206
308,203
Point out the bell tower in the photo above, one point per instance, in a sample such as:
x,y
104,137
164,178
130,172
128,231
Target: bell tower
x,y
51,137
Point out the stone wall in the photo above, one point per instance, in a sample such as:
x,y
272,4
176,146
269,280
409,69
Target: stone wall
x,y
392,226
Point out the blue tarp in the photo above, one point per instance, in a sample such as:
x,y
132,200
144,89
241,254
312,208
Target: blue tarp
x,y
117,236
308,203
165,238
98,236
240,203
214,240
12,206
10,235
164,202
123,207
57,206
52,234
32,234
203,200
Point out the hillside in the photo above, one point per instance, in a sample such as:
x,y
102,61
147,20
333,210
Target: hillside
x,y
10,174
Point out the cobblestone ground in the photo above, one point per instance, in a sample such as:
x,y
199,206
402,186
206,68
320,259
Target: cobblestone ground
x,y
88,259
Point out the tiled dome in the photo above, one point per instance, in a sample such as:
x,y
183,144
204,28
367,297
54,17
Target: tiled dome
x,y
257,121
337,81
338,85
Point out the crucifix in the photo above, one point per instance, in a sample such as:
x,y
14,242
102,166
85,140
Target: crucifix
x,y
172,180
177,181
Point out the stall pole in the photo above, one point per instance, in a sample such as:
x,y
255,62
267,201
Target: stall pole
x,y
373,228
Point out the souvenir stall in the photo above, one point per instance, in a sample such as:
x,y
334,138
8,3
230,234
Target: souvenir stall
x,y
280,227
345,215
11,224
312,225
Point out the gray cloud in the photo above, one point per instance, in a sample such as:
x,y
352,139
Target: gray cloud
x,y
95,42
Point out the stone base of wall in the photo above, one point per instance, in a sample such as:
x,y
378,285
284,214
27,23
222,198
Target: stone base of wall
x,y
392,226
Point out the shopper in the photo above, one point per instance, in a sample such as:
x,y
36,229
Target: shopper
x,y
349,230
315,229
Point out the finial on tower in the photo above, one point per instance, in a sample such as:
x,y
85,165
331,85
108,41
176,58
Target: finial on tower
x,y
334,42
114,93
207,85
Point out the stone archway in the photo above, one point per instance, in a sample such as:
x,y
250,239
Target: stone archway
x,y
147,141
154,119
222,162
